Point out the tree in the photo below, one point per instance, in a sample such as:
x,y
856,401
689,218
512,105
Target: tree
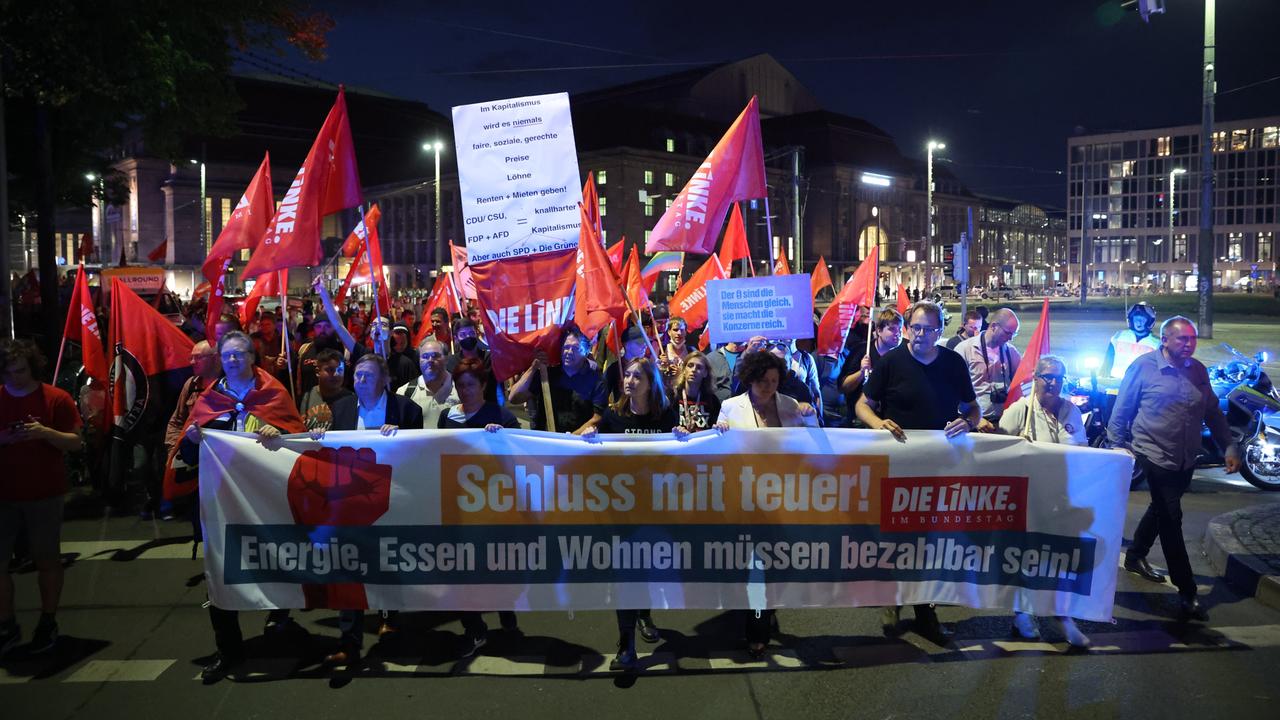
x,y
81,76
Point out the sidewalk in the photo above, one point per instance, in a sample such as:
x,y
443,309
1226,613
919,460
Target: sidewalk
x,y
1244,547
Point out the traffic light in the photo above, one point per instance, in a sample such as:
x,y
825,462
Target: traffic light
x,y
949,260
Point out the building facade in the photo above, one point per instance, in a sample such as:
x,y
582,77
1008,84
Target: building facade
x,y
1135,199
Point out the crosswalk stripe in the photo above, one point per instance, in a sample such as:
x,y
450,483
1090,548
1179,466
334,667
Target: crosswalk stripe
x,y
113,549
120,671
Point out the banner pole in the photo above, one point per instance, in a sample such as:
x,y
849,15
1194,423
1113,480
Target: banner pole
x,y
548,412
284,323
768,228
380,343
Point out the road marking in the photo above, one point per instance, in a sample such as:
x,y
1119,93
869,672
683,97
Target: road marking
x,y
130,550
120,671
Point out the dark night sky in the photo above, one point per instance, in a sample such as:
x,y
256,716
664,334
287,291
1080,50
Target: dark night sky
x,y
1003,83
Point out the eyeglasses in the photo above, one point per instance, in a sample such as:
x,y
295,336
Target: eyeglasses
x,y
1052,378
235,354
925,329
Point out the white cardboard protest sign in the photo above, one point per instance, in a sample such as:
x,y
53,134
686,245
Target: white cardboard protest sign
x,y
518,172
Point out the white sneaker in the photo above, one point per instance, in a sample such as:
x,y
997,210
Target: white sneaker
x,y
1024,626
1074,637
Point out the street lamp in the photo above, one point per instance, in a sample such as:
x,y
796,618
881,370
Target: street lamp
x,y
101,206
931,146
436,147
204,218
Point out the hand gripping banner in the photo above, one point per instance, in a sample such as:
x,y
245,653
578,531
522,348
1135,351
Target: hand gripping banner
x,y
469,520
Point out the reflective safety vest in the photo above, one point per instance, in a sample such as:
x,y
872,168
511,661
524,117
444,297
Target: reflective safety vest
x,y
1129,348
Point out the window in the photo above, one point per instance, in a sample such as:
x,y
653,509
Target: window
x,y
668,203
646,236
208,223
601,178
1235,246
648,177
669,179
671,144
1180,248
225,217
1220,141
1239,140
1264,247
602,206
1162,146
1271,136
648,207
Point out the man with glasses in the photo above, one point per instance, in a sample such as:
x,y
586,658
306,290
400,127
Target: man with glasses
x,y
992,362
433,389
1164,399
919,386
578,394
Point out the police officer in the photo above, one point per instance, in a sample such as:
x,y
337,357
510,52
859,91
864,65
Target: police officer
x,y
1131,343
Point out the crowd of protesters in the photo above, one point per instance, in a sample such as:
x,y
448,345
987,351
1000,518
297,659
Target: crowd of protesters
x,y
318,367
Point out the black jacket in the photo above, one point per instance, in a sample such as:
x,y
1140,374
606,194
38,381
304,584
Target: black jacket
x,y
401,412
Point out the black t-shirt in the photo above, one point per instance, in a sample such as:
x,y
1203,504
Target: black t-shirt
x,y
613,421
918,396
695,415
852,364
575,398
488,413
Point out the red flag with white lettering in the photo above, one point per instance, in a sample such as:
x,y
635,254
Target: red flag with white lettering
x,y
327,182
242,231
617,253
780,265
82,327
354,243
526,301
598,298
359,273
1024,378
843,312
690,299
733,171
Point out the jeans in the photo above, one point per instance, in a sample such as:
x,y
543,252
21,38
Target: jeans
x,y
1163,519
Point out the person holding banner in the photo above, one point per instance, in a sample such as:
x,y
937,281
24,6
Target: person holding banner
x,y
372,407
643,409
919,386
433,390
1044,416
578,396
762,406
696,402
246,399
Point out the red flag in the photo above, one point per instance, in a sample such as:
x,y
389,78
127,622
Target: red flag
x,y
733,171
266,286
598,293
86,246
525,303
327,182
201,290
1024,378
462,271
780,266
859,291
443,296
354,243
904,302
617,253
734,246
242,231
690,299
591,201
636,292
820,277
82,327
159,252
359,273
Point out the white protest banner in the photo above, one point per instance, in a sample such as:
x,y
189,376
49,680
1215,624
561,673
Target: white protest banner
x,y
778,307
518,172
469,520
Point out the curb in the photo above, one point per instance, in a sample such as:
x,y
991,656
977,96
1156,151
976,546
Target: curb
x,y
1238,567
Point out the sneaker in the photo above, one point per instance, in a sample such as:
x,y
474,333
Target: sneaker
x,y
1074,637
471,644
1024,626
10,638
44,638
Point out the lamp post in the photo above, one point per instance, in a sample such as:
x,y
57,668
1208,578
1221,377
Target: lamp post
x,y
204,218
100,206
931,146
1173,214
436,147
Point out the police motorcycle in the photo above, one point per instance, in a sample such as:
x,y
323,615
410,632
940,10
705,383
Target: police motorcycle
x,y
1252,406
1246,395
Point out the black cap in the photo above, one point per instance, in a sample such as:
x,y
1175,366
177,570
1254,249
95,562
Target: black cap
x,y
633,334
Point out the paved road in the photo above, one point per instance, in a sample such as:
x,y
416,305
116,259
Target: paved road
x,y
134,633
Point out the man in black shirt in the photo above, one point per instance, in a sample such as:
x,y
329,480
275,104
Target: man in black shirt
x,y
577,393
919,386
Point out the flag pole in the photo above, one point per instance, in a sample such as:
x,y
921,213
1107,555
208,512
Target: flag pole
x,y
75,301
282,276
768,228
380,343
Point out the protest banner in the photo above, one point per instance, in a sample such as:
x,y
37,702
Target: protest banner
x,y
469,520
518,174
778,307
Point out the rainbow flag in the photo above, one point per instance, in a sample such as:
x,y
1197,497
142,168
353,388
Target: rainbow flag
x,y
662,262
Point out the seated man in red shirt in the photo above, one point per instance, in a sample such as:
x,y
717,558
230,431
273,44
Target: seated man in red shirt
x,y
39,424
